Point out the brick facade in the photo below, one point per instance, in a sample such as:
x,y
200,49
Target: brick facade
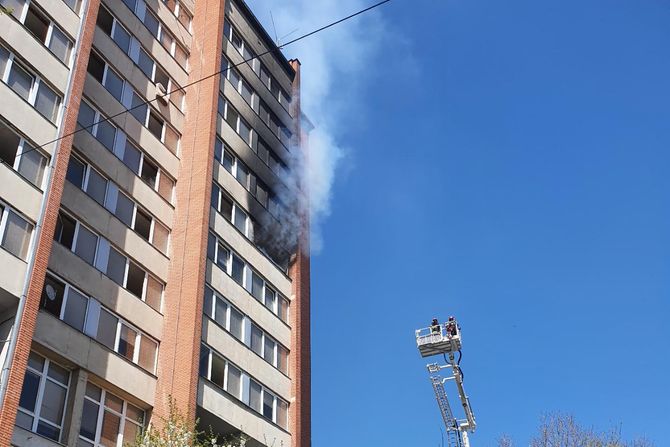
x,y
44,237
182,307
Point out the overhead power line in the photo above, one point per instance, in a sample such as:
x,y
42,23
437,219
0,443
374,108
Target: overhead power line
x,y
272,50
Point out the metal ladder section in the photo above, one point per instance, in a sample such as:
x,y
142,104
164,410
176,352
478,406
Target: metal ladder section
x,y
450,422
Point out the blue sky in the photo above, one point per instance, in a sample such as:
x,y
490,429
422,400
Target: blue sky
x,y
507,163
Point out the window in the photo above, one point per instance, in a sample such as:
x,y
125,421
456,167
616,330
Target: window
x,y
87,315
47,102
268,405
101,71
213,367
20,80
255,395
43,396
53,295
218,372
96,186
44,30
65,230
108,420
107,326
146,64
237,270
257,66
36,23
73,4
17,153
86,244
98,125
135,280
232,320
124,209
256,340
236,323
16,232
142,224
235,266
257,286
234,382
116,266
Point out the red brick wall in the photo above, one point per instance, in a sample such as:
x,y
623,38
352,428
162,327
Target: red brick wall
x,y
300,360
26,326
182,307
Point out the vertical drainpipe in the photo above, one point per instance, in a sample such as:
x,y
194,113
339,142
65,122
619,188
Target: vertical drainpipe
x,y
4,374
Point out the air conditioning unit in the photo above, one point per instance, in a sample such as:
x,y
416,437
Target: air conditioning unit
x,y
161,94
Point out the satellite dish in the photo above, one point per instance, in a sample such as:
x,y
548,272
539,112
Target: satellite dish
x,y
51,292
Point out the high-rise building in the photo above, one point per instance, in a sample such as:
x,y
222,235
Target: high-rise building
x,y
154,246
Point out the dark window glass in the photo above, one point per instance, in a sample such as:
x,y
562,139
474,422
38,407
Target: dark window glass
x,y
226,207
37,23
238,270
149,172
124,209
31,382
143,224
64,230
75,309
135,282
89,419
76,170
155,124
127,340
231,117
218,370
107,329
9,142
52,295
116,266
204,361
268,400
96,67
105,20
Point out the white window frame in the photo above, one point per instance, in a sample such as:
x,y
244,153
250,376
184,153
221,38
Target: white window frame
x,y
52,25
34,87
3,225
101,414
40,395
19,153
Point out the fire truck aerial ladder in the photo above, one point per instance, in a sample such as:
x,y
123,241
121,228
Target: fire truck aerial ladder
x,y
445,339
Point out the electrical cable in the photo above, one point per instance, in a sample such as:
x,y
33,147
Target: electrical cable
x,y
272,50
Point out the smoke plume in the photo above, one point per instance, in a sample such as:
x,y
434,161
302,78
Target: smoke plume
x,y
334,68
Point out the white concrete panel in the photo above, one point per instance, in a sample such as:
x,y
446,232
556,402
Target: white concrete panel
x,y
245,358
12,273
246,303
250,253
142,34
73,269
25,438
138,80
31,50
111,228
25,118
19,193
217,402
120,174
138,133
94,357
66,19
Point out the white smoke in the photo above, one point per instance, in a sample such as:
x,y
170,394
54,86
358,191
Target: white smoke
x,y
335,66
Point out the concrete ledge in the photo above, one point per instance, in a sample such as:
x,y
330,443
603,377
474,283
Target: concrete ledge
x,y
25,438
94,357
237,414
244,357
